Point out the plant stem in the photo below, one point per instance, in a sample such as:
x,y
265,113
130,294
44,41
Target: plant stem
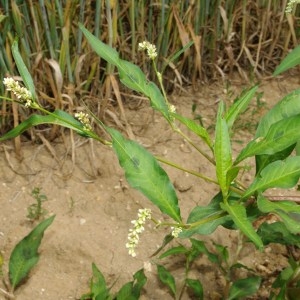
x,y
210,159
209,219
186,170
91,134
159,77
7,294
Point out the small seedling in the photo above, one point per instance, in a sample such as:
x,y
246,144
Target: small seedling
x,y
35,210
100,290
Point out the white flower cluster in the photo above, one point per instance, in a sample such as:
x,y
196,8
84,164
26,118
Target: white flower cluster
x,y
172,108
176,231
84,120
138,227
290,6
21,93
150,48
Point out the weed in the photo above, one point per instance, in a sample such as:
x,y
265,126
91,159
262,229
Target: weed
x,y
237,206
35,210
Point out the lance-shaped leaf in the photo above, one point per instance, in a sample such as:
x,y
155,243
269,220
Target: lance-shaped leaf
x,y
242,288
25,256
133,77
288,211
98,287
287,107
130,74
277,233
222,150
23,69
281,174
290,61
143,173
206,219
239,106
196,286
263,160
195,127
239,216
106,52
166,278
157,100
280,136
58,117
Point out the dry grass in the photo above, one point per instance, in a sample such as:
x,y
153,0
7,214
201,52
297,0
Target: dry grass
x,y
248,37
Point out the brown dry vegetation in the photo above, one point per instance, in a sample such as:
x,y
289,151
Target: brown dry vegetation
x,y
248,37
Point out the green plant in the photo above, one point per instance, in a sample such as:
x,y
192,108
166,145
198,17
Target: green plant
x,y
24,257
234,288
99,290
35,210
237,206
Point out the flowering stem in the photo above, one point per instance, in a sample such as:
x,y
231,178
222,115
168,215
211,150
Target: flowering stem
x,y
91,134
35,105
168,224
207,220
160,80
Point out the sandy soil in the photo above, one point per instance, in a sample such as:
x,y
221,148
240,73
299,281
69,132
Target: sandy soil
x,y
94,205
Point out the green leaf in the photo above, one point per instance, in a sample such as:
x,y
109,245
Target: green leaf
x,y
166,278
130,74
223,252
288,211
287,107
139,281
143,173
125,293
263,160
244,287
239,106
58,117
196,286
200,247
241,266
28,81
205,219
98,286
133,77
157,100
280,136
277,233
232,174
239,216
106,52
222,151
25,256
280,174
132,290
195,127
174,251
283,278
290,61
